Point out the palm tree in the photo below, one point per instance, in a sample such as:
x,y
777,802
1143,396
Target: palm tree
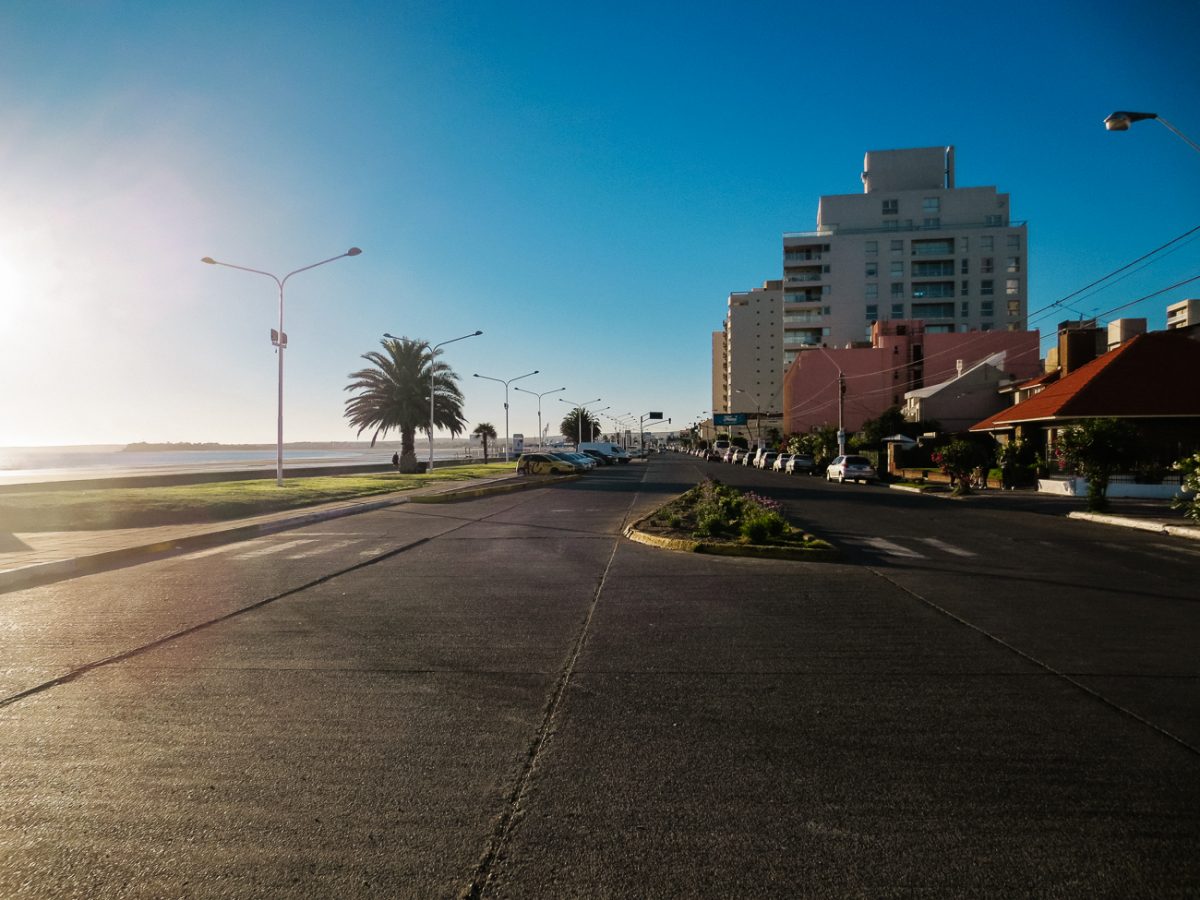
x,y
394,393
581,425
487,432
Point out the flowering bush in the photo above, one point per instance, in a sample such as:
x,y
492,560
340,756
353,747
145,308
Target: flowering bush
x,y
1189,467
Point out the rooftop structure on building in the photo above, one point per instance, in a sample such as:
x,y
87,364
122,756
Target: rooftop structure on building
x,y
912,246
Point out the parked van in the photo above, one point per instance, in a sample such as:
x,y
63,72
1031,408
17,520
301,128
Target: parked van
x,y
607,449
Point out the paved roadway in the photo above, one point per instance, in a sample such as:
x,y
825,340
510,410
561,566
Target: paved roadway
x,y
504,698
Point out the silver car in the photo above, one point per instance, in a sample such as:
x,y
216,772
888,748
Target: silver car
x,y
850,468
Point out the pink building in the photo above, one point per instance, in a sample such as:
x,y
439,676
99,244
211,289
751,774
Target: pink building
x,y
902,357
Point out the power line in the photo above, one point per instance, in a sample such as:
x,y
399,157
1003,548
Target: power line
x,y
1114,272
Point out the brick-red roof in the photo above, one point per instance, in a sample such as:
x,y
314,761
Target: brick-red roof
x,y
1155,375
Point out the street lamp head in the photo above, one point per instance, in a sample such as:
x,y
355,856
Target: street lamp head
x,y
477,334
209,260
353,251
1122,119
388,334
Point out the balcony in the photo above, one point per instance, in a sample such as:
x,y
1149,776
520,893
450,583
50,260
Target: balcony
x,y
882,229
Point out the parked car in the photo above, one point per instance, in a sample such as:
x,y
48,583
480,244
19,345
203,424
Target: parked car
x,y
613,450
748,459
728,455
601,458
580,459
801,462
545,464
766,459
712,455
850,468
781,462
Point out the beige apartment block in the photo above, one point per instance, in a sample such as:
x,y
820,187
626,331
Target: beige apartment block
x,y
1184,314
748,363
912,246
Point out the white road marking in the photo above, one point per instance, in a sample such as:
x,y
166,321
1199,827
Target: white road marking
x,y
276,548
946,548
322,548
227,548
890,549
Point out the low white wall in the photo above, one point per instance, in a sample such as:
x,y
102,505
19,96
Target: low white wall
x,y
1077,487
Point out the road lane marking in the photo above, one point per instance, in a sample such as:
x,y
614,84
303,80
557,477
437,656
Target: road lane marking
x,y
323,548
227,548
888,548
277,548
946,548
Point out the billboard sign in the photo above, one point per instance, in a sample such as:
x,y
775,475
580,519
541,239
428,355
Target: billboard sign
x,y
729,418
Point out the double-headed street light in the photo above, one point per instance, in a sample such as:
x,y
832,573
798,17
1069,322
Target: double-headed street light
x,y
279,339
539,396
433,382
1122,119
507,445
579,418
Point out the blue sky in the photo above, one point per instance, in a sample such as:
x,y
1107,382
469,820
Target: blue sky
x,y
586,184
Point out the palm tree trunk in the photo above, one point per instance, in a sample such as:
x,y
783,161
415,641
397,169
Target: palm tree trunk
x,y
408,454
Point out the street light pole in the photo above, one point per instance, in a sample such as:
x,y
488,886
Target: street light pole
x,y
280,341
1122,119
432,382
579,418
507,445
539,396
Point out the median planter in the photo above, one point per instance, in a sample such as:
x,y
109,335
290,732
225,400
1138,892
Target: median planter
x,y
715,518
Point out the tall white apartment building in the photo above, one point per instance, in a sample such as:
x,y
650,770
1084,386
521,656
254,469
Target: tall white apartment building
x,y
748,353
911,246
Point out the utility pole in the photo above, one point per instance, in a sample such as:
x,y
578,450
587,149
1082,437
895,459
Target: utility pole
x,y
841,413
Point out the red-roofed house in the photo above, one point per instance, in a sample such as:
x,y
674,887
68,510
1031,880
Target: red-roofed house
x,y
1152,380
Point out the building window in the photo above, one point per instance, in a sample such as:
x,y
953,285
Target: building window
x,y
898,269
965,267
964,310
897,248
1012,286
931,205
966,288
987,308
1014,242
992,221
872,270
1014,308
897,311
872,312
898,289
987,287
871,247
986,265
872,291
963,245
986,242
931,222
1013,266
891,207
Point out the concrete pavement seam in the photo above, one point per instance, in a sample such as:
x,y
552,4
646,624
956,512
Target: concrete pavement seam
x,y
1046,667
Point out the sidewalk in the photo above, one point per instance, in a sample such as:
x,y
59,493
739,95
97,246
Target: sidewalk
x,y
1143,515
34,558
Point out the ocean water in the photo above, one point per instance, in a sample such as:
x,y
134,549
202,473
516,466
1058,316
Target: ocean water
x,y
24,465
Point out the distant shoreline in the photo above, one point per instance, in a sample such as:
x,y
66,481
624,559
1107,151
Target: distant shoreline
x,y
146,447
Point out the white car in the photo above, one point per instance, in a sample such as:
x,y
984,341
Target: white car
x,y
766,460
781,461
850,468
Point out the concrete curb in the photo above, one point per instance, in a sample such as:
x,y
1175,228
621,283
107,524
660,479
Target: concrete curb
x,y
1152,525
37,574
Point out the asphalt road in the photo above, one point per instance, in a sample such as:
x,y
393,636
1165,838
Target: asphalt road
x,y
504,698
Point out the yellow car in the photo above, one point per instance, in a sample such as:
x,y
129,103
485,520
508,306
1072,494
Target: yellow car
x,y
545,464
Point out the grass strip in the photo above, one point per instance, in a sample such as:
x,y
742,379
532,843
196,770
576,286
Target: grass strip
x,y
88,509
